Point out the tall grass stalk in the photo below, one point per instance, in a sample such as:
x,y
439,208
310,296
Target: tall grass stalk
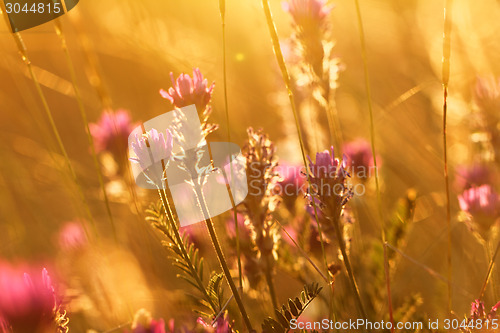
x,y
286,78
489,271
220,255
24,56
96,80
83,114
446,78
222,8
374,153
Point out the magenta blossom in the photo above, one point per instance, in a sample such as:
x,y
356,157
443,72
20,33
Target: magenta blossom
x,y
220,326
327,166
359,158
482,203
293,178
144,323
72,236
187,91
474,175
477,310
111,132
27,302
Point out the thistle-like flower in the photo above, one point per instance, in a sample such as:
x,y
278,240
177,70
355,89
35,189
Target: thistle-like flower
x,y
186,90
483,204
111,133
27,302
478,314
328,194
150,149
328,183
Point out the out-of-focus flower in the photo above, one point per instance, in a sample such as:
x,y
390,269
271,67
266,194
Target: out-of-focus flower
x,y
474,175
144,323
308,13
292,179
243,230
359,158
187,91
487,93
27,302
111,133
220,326
482,203
72,237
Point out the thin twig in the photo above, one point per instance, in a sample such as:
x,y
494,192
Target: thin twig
x,y
222,8
288,84
374,154
83,114
446,78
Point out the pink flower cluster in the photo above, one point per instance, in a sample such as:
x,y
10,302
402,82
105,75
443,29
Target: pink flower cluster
x,y
27,301
187,91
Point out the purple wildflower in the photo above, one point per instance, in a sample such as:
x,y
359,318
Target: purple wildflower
x,y
328,176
